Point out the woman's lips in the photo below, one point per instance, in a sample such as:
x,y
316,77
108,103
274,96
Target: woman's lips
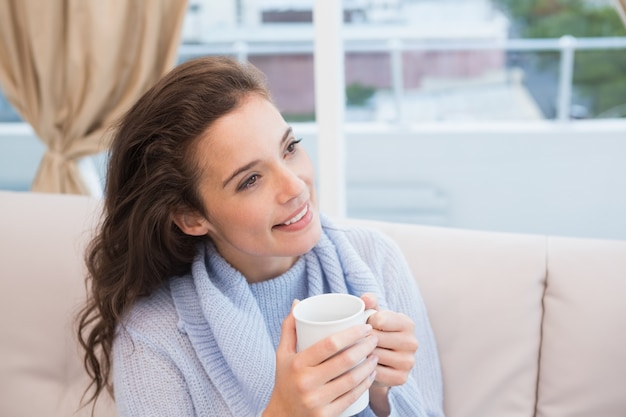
x,y
298,216
298,221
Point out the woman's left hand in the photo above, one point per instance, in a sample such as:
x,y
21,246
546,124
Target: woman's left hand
x,y
397,344
395,350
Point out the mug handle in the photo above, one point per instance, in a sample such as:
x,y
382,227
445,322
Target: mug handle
x,y
368,313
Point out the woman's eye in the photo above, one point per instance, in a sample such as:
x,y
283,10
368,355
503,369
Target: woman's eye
x,y
249,182
291,148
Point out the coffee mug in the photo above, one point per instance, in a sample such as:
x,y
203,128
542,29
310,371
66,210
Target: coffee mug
x,y
320,316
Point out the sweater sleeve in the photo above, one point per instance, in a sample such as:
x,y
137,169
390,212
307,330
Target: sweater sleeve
x,y
422,394
145,381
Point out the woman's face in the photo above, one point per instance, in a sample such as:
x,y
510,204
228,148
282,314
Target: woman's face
x,y
257,186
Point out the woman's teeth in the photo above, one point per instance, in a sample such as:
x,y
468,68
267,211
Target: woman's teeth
x,y
297,216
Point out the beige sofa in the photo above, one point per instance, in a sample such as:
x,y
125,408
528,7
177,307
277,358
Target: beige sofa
x,y
526,325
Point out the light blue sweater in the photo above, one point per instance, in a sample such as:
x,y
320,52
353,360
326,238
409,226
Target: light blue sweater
x,y
204,344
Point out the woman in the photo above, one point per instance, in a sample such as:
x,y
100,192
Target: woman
x,y
211,230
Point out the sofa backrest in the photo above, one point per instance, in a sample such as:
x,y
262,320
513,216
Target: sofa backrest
x,y
526,325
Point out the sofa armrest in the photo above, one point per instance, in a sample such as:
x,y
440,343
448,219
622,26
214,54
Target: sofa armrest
x,y
42,285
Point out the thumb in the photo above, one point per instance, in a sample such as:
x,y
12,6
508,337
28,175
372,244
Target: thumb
x,y
287,342
371,301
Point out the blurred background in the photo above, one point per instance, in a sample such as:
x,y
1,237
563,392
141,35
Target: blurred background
x,y
503,115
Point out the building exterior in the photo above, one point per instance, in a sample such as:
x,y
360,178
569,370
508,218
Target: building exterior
x,y
377,22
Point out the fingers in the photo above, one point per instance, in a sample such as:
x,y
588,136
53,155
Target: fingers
x,y
370,300
346,387
389,321
386,376
330,346
395,331
363,374
394,366
287,343
339,380
396,349
351,357
397,340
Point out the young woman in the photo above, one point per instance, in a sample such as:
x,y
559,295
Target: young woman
x,y
211,230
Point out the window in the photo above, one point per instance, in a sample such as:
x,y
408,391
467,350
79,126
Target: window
x,y
496,115
7,112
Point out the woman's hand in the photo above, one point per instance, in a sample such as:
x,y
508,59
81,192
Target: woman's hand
x,y
324,379
396,349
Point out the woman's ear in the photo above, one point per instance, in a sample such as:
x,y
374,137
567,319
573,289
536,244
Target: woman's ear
x,y
191,223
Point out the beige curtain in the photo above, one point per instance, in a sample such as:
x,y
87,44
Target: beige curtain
x,y
72,67
621,8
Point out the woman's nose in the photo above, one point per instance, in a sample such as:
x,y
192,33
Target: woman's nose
x,y
290,185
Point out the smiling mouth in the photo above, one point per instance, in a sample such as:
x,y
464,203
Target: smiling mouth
x,y
297,217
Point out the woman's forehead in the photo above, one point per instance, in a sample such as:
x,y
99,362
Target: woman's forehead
x,y
251,130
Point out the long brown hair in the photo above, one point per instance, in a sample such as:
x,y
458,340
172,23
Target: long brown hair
x,y
151,175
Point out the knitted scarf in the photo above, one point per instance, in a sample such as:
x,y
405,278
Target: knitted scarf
x,y
225,325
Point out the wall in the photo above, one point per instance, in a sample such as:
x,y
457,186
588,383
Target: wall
x,y
562,179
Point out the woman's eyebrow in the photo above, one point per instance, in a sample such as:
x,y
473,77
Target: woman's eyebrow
x,y
250,164
286,135
239,171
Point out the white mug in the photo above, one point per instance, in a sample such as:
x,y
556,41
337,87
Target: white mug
x,y
320,316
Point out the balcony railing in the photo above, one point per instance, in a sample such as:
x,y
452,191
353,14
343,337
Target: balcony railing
x,y
566,46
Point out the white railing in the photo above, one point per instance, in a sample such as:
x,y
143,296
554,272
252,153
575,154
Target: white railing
x,y
567,46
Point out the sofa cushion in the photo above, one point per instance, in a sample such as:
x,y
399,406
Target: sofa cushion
x,y
583,360
483,292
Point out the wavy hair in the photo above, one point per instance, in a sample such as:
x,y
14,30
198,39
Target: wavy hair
x,y
151,175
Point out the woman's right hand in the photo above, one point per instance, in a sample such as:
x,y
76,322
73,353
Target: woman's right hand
x,y
319,381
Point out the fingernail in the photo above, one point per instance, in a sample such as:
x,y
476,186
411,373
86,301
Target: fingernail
x,y
372,376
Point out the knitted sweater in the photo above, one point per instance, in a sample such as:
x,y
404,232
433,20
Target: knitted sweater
x,y
169,361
